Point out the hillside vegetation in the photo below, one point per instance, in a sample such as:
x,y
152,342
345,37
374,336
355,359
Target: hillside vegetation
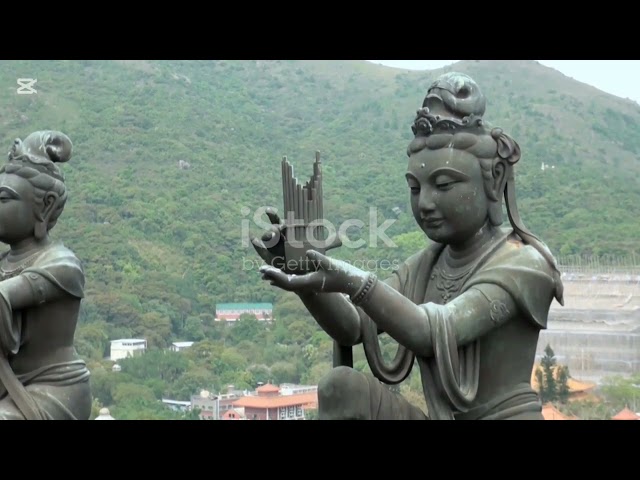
x,y
162,245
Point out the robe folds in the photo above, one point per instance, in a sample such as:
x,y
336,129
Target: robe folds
x,y
58,389
487,377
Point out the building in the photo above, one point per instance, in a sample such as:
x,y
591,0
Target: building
x,y
237,414
127,347
177,405
549,412
269,404
625,414
226,401
597,332
104,415
230,312
578,390
291,389
179,346
215,406
208,404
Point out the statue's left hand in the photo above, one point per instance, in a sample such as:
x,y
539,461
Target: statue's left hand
x,y
329,275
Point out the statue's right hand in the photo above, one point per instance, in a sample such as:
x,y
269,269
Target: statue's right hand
x,y
270,246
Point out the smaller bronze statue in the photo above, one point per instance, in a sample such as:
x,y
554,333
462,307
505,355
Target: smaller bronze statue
x,y
468,308
41,289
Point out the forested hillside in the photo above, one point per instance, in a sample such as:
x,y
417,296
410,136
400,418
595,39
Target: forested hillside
x,y
162,244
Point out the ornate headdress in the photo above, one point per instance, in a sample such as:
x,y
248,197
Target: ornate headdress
x,y
42,151
455,103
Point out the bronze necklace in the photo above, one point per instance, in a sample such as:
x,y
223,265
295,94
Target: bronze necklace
x,y
7,273
449,279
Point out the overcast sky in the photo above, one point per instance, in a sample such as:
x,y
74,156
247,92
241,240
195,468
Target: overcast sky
x,y
617,77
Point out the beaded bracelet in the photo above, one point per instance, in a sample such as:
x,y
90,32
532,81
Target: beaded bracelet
x,y
364,291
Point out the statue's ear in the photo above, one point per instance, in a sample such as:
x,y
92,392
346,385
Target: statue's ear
x,y
508,148
508,156
50,202
501,172
49,205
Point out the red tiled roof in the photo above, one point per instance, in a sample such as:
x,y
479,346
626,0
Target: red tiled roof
x,y
267,388
625,414
254,401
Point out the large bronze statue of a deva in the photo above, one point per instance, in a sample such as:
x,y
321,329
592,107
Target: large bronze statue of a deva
x,y
468,308
41,288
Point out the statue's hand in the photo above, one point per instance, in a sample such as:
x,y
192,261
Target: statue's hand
x,y
330,275
271,246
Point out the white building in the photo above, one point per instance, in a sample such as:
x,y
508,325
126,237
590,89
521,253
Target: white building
x,y
127,347
291,389
178,346
104,415
208,404
177,405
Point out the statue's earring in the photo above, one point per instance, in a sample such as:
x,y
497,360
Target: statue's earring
x,y
495,213
40,230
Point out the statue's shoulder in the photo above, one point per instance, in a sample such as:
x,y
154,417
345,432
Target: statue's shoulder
x,y
524,273
61,266
513,251
58,254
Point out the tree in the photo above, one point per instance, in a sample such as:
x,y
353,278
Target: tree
x,y
620,392
552,378
562,383
548,390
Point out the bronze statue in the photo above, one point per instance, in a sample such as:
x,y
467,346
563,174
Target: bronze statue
x,y
468,308
41,288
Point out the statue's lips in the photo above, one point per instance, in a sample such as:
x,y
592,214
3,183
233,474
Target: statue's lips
x,y
432,222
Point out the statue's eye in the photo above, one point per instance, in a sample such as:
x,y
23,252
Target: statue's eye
x,y
414,186
445,182
446,185
6,195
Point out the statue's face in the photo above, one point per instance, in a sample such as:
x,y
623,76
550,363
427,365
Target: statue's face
x,y
17,218
447,194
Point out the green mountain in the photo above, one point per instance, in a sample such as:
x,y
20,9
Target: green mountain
x,y
162,245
